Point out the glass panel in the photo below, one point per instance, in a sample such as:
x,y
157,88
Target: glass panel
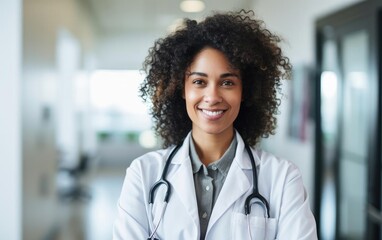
x,y
353,148
329,97
329,115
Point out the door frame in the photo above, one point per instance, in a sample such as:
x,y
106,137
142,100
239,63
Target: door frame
x,y
366,13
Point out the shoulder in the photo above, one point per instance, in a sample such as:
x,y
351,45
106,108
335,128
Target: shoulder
x,y
269,158
277,167
153,159
144,171
281,180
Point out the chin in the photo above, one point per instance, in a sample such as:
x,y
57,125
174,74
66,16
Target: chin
x,y
214,130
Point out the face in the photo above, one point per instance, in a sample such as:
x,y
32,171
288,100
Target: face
x,y
213,93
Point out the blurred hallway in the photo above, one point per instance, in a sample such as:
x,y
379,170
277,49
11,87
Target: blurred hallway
x,y
92,219
67,87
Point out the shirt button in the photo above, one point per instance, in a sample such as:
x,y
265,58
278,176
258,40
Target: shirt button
x,y
208,188
214,168
204,215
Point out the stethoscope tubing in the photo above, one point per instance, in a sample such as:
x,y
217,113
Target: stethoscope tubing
x,y
255,187
247,205
163,180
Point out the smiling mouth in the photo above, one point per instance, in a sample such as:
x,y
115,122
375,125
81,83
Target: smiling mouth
x,y
212,113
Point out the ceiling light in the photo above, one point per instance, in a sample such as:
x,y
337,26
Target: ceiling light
x,y
192,6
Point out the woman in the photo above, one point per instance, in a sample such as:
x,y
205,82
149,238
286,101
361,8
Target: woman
x,y
213,87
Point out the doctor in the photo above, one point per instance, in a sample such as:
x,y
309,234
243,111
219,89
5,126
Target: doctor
x,y
213,87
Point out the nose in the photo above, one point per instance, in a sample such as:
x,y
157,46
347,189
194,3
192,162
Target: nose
x,y
212,95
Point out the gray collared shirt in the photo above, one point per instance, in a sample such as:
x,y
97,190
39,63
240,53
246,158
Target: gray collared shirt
x,y
209,181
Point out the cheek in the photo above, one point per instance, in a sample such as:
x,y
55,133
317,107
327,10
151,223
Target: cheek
x,y
236,101
190,96
237,105
191,100
236,97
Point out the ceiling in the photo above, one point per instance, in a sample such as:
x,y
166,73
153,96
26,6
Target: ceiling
x,y
147,15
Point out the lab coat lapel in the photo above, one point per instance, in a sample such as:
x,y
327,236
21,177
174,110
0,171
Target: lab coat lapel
x,y
182,182
235,185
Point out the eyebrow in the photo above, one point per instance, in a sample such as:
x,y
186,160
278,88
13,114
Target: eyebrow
x,y
224,75
197,73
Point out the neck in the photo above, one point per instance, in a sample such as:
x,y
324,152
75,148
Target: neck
x,y
211,147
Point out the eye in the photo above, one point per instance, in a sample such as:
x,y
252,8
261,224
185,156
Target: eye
x,y
198,82
227,83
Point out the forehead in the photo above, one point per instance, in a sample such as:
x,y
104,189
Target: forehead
x,y
209,59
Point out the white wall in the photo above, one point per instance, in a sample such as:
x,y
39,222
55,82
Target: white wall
x,y
294,20
125,50
10,143
43,20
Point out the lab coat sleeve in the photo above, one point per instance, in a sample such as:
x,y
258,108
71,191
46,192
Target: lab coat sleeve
x,y
296,220
131,222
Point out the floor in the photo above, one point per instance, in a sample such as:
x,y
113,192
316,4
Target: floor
x,y
92,218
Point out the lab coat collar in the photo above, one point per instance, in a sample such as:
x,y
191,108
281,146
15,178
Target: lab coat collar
x,y
183,153
235,185
182,181
241,155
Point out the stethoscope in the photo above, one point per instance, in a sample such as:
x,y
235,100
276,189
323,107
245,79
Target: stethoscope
x,y
255,197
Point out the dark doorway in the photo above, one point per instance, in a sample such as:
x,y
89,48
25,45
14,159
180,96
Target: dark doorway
x,y
348,123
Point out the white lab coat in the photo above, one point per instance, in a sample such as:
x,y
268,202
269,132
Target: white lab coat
x,y
279,181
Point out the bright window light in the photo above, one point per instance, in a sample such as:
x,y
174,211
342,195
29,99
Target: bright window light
x,y
358,80
116,105
117,90
329,84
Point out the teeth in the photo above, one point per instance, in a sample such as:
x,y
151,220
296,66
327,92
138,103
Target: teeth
x,y
212,113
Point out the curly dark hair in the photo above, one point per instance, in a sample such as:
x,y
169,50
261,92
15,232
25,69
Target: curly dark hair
x,y
249,47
